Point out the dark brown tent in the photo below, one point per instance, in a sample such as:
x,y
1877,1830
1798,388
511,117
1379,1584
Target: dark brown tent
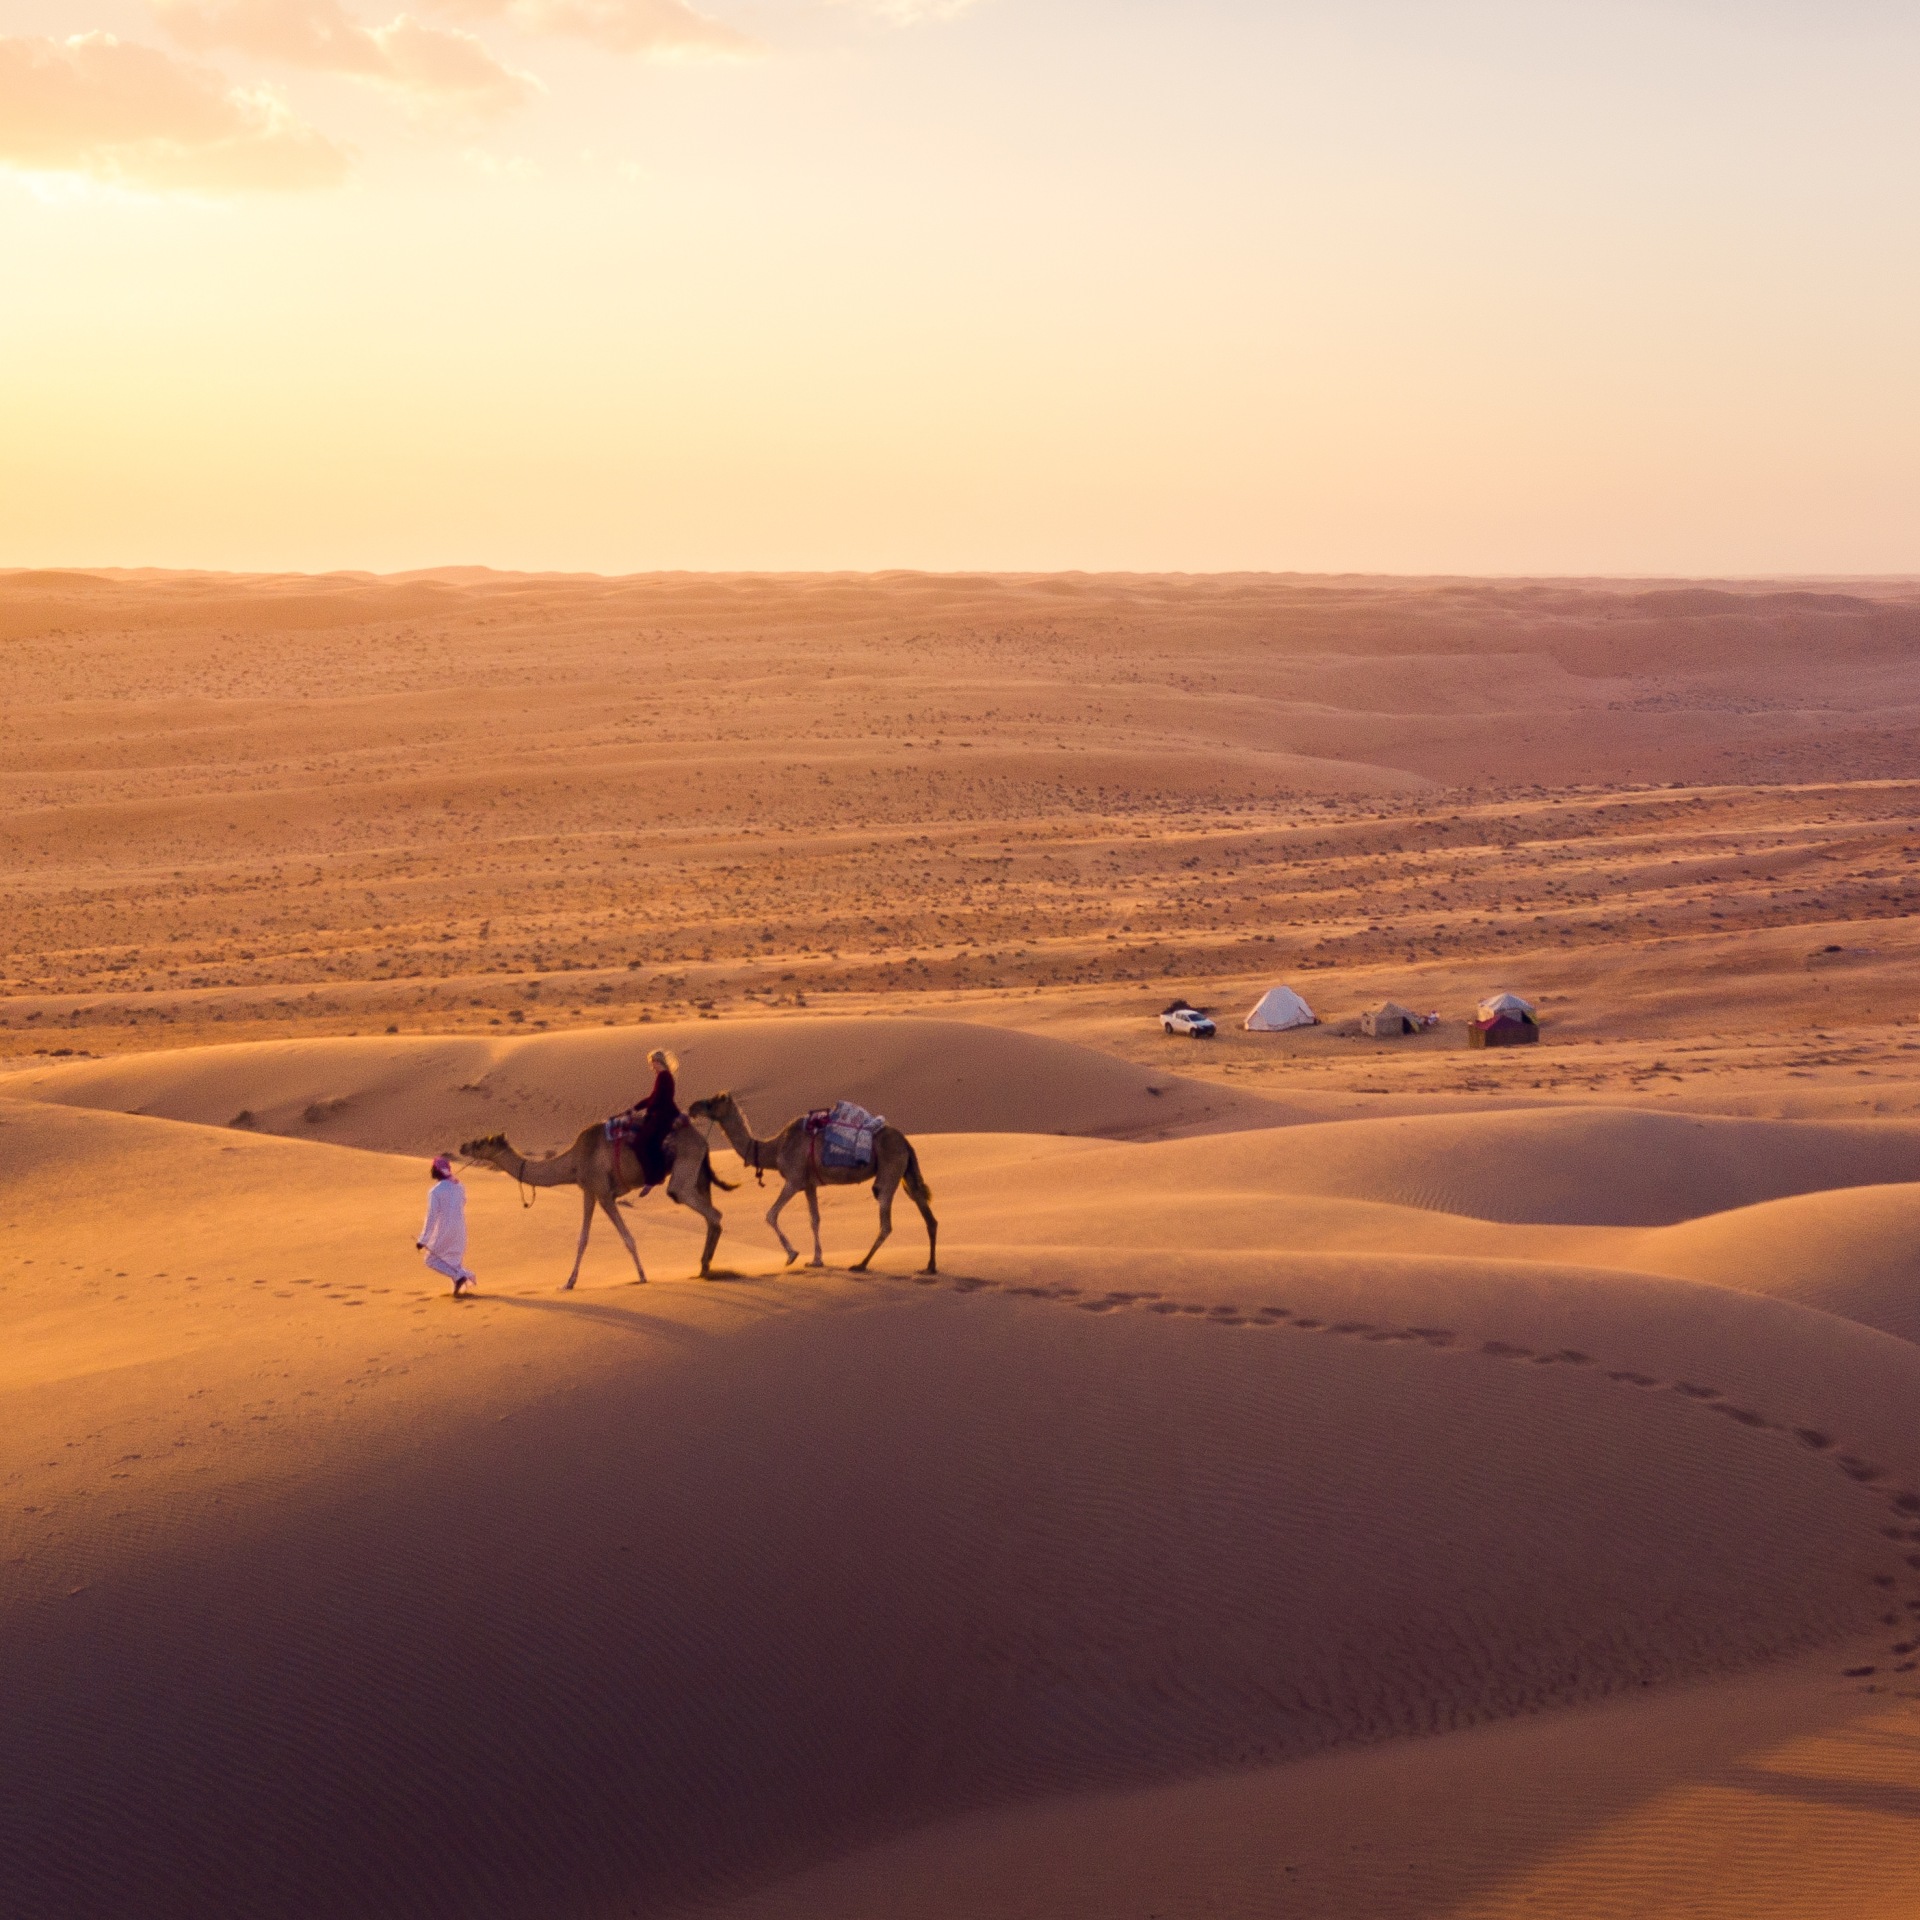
x,y
1503,1020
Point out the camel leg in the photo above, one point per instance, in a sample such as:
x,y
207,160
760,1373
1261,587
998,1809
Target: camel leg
x,y
773,1220
883,1191
586,1227
711,1213
620,1227
933,1234
696,1202
813,1214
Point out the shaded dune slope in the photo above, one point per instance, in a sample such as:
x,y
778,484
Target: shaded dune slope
x,y
743,1598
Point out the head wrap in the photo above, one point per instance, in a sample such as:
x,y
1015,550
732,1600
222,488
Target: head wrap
x,y
442,1166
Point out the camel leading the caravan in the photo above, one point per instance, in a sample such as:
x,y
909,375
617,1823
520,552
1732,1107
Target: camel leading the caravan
x,y
603,1170
791,1155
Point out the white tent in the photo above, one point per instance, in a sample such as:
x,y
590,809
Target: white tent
x,y
1279,1009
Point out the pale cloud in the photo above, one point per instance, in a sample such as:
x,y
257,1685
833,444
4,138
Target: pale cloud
x,y
436,67
668,27
135,116
906,13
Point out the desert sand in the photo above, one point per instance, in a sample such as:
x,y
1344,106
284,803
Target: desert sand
x,y
1327,1477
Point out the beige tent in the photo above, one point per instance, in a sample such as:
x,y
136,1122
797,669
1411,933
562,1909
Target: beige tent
x,y
1389,1021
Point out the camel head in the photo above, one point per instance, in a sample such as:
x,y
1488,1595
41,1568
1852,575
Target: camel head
x,y
715,1107
488,1151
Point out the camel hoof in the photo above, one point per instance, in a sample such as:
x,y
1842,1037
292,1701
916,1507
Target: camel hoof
x,y
818,1265
795,1255
929,1269
859,1266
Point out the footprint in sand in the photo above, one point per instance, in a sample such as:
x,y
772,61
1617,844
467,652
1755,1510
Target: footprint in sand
x,y
1230,1315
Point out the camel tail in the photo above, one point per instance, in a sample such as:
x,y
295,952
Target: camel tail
x,y
913,1179
709,1180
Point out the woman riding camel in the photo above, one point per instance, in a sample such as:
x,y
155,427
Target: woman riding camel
x,y
655,1116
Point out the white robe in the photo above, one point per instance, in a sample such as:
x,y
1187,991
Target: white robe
x,y
444,1237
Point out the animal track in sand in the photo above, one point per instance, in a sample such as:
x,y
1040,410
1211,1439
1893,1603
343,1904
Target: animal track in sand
x,y
1862,1473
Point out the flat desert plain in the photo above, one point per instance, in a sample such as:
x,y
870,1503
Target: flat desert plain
x,y
1326,1476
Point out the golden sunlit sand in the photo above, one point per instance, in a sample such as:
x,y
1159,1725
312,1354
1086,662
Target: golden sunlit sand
x,y
1327,1477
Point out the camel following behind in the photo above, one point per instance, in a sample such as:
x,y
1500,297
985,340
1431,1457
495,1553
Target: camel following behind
x,y
603,1170
794,1155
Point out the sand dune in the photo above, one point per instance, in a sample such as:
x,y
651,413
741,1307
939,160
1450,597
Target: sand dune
x,y
762,1572
1855,1252
1550,1165
418,1096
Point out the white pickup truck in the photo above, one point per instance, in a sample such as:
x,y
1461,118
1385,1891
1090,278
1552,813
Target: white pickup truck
x,y
1189,1022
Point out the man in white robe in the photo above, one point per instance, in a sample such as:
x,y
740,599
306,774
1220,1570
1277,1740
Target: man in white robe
x,y
444,1237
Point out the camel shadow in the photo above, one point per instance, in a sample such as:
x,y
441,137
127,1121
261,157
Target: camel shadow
x,y
626,1319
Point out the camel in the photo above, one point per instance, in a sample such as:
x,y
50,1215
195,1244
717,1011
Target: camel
x,y
791,1154
603,1171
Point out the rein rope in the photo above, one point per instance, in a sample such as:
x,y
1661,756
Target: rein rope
x,y
528,1193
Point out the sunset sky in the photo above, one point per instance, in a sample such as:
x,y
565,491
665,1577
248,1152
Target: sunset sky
x,y
1391,285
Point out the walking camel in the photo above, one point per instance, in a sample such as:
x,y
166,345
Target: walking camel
x,y
603,1170
791,1155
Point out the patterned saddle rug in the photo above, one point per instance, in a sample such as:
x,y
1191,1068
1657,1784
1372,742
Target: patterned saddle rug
x,y
843,1135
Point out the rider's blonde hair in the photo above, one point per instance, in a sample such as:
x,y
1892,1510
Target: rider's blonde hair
x,y
670,1061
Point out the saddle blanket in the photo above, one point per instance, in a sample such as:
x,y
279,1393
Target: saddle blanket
x,y
843,1134
624,1130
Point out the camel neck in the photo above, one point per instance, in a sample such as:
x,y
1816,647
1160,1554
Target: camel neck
x,y
558,1171
742,1137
